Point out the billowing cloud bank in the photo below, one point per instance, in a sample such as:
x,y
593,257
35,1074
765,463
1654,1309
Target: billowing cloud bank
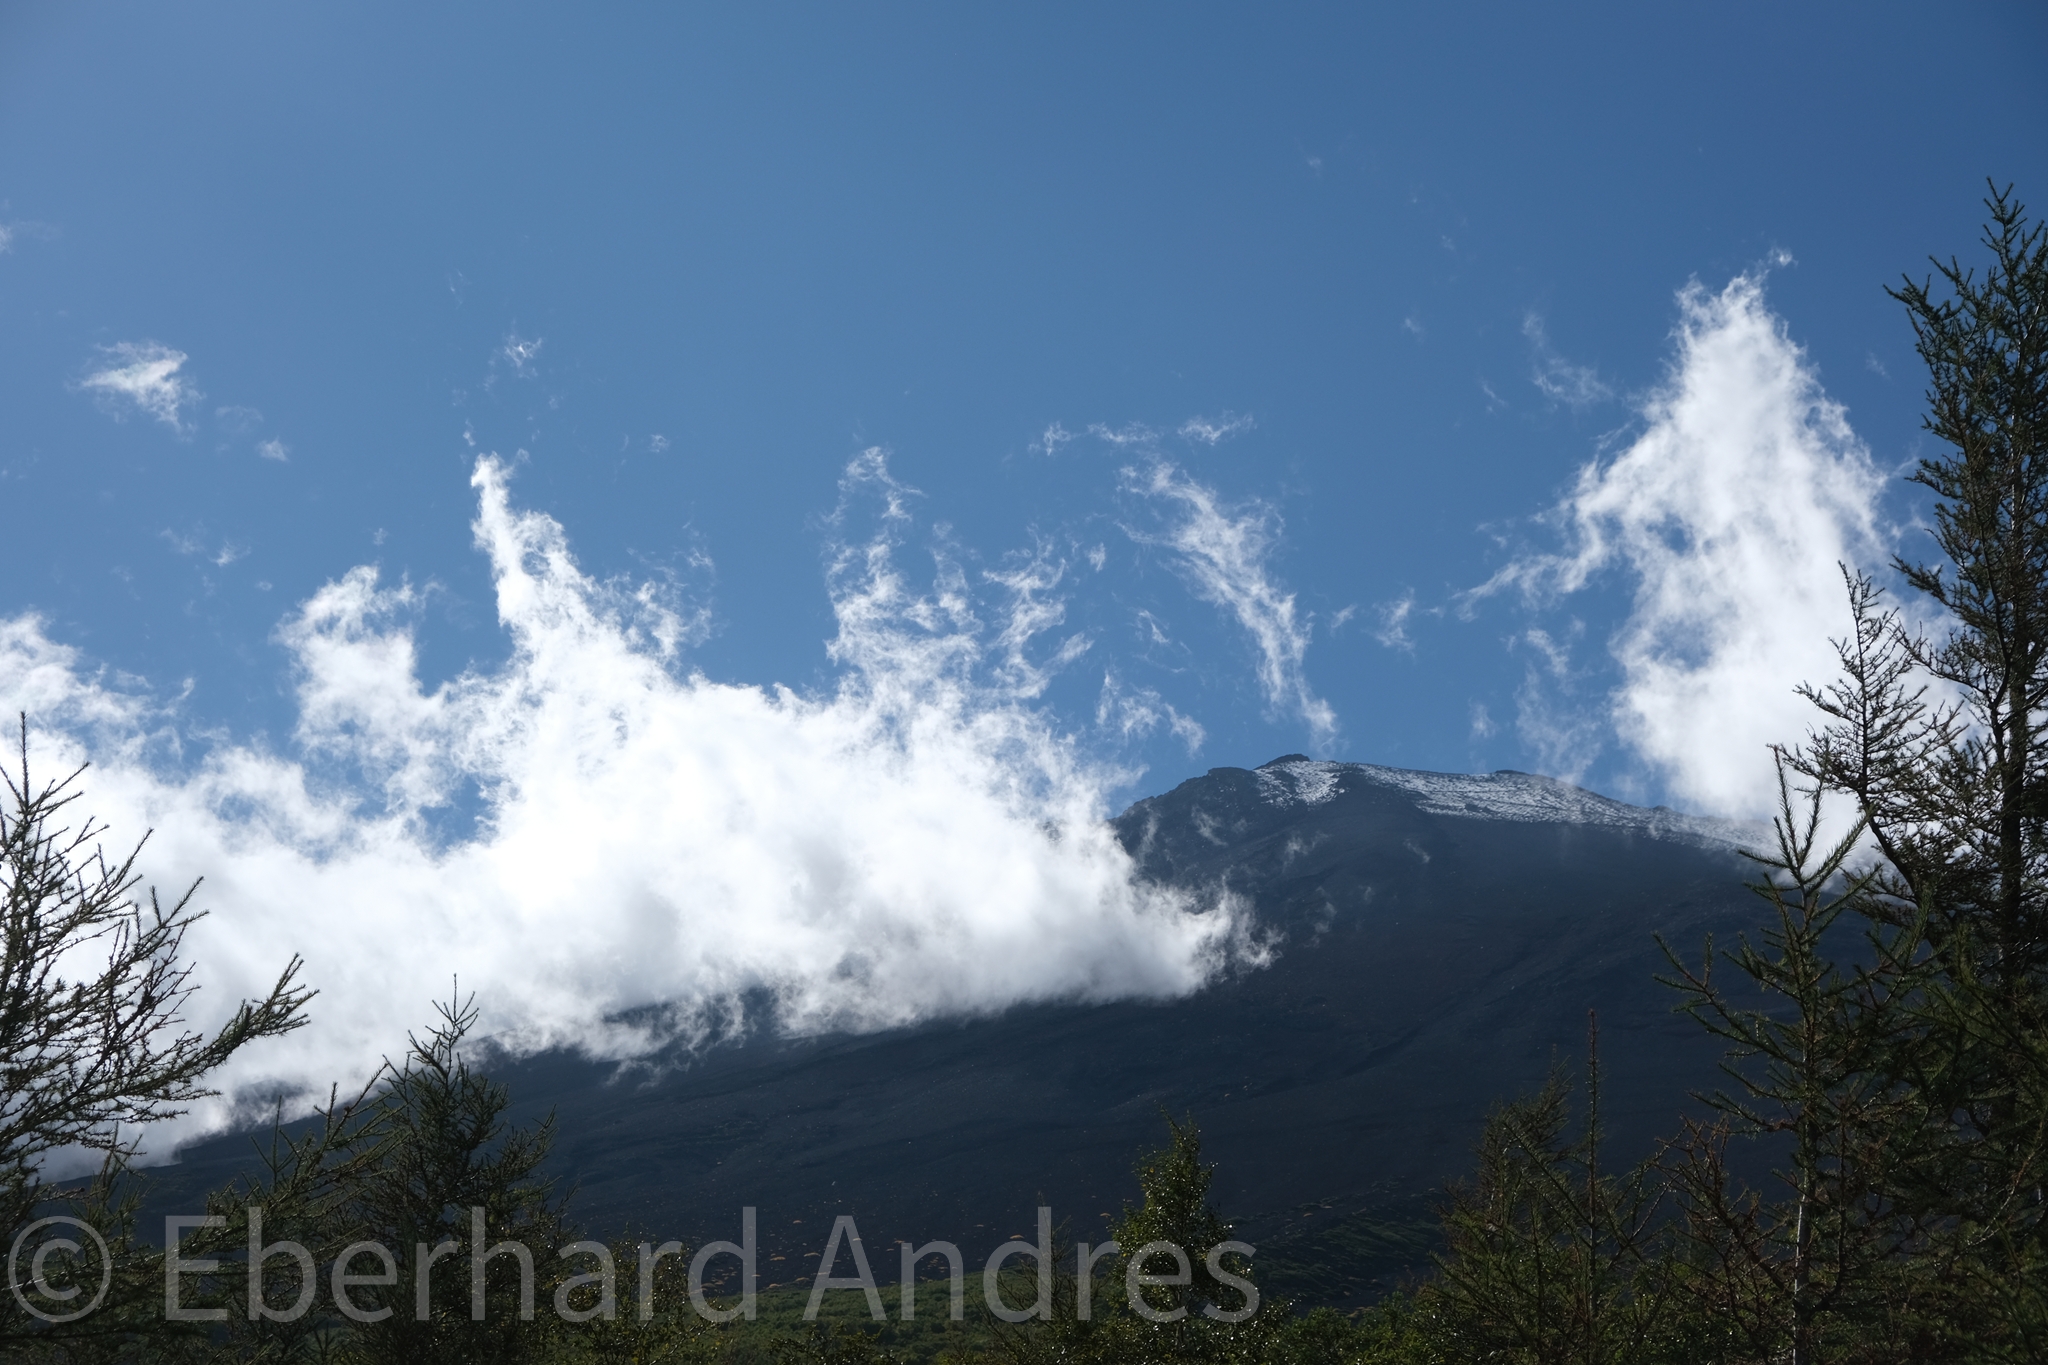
x,y
1730,513
653,848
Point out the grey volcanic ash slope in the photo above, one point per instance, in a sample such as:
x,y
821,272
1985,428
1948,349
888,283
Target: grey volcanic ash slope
x,y
1438,940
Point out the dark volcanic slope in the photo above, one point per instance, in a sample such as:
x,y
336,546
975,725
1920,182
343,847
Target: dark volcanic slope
x,y
1440,940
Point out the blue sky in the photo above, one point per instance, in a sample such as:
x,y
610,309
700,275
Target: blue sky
x,y
776,236
1238,327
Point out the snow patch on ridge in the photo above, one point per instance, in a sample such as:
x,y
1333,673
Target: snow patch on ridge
x,y
1504,795
1304,783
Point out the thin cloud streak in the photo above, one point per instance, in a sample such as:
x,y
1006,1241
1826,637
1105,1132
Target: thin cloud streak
x,y
1393,627
1576,386
1221,553
1212,432
1135,712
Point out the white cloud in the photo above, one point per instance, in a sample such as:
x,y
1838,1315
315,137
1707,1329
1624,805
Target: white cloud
x,y
1032,583
1576,386
1730,513
1566,737
520,354
25,230
1130,434
237,420
918,841
274,449
1134,712
143,374
1393,628
1550,715
1215,432
1055,436
657,443
1221,554
195,544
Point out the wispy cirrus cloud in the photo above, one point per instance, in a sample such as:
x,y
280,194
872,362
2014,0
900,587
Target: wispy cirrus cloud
x,y
195,544
521,354
1130,434
24,230
1575,386
1135,712
1054,437
237,419
1393,627
1222,553
1214,431
1551,716
144,376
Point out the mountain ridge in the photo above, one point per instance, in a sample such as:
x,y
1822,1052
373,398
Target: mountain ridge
x,y
1429,960
1504,794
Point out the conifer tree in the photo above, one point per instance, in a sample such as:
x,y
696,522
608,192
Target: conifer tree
x,y
1937,734
1205,1320
1819,1265
1548,1258
1901,1063
87,1060
445,1151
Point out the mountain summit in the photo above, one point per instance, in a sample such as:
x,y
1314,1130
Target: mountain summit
x,y
1294,783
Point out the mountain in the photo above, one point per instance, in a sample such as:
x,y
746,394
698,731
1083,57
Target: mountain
x,y
1438,941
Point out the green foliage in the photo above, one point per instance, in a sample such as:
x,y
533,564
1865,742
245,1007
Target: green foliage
x,y
1960,804
434,1163
823,1344
411,1162
86,1061
1176,1210
1189,1322
1942,1048
1548,1258
1828,1264
448,1168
